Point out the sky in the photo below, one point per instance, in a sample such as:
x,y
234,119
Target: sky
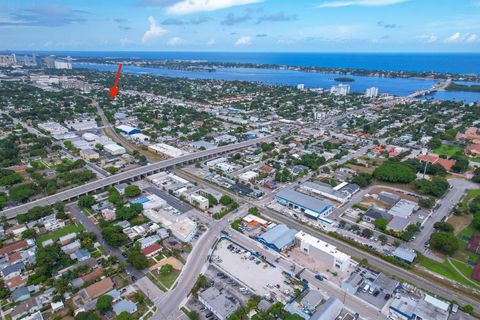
x,y
241,25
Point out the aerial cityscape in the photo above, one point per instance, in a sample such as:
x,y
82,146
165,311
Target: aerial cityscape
x,y
240,159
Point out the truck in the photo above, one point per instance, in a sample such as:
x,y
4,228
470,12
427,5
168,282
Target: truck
x,y
365,289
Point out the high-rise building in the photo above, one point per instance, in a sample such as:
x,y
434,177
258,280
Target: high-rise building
x,y
300,86
49,62
341,89
371,92
60,64
8,60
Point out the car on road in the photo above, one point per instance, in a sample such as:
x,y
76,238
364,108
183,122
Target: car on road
x,y
318,277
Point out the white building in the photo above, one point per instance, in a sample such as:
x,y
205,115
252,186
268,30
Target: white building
x,y
248,176
300,86
371,92
166,150
199,201
62,64
341,89
81,125
322,251
114,149
53,127
225,138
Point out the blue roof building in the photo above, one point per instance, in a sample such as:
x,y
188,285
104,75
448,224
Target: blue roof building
x,y
278,238
304,203
128,130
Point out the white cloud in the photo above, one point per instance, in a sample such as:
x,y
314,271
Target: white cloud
x,y
366,3
428,38
125,41
211,42
244,41
175,41
193,6
154,31
472,38
458,37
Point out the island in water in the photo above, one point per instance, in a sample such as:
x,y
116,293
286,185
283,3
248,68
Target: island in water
x,y
462,87
344,79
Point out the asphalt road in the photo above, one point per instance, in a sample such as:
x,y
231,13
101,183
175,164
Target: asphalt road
x,y
171,200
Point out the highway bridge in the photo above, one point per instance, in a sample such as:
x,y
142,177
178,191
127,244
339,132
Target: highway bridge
x,y
129,176
435,88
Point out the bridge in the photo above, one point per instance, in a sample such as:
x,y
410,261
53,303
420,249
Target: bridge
x,y
435,88
130,176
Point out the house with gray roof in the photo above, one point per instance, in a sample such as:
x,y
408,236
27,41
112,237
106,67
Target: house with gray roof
x,y
278,238
124,306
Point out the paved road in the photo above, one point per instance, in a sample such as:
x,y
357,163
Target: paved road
x,y
128,176
453,196
374,261
171,200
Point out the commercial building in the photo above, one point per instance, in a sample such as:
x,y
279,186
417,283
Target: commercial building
x,y
254,221
217,303
166,150
322,251
225,138
198,201
248,176
403,208
59,64
114,149
81,125
329,310
279,238
341,193
8,60
53,127
128,130
89,154
341,89
404,255
371,92
407,308
301,202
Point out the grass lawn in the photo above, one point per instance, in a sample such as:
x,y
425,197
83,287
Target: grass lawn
x,y
447,150
167,279
54,235
446,270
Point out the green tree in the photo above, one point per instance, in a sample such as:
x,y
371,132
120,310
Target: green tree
x,y
29,234
468,309
166,268
443,226
226,200
104,303
86,201
86,315
132,191
137,259
383,238
362,179
394,171
253,210
445,242
426,202
124,316
381,224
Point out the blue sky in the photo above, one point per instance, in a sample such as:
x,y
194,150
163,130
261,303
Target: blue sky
x,y
242,25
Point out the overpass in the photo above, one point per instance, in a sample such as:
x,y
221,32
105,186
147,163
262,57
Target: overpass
x,y
132,175
435,88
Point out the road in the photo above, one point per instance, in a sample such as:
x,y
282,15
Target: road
x,y
374,261
130,175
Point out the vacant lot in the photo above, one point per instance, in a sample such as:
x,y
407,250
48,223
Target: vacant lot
x,y
54,235
447,150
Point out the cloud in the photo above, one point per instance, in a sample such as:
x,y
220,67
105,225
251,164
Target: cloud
x,y
172,22
428,38
200,20
231,19
458,37
365,3
192,6
175,41
125,41
261,35
385,25
48,15
153,32
275,17
211,42
244,41
125,28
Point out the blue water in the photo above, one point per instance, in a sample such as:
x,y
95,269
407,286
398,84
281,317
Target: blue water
x,y
468,63
140,200
395,86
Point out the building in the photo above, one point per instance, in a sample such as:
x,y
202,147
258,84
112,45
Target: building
x,y
8,60
59,64
166,150
447,164
81,125
89,154
183,229
98,288
124,306
329,310
225,138
278,238
114,149
303,203
474,244
322,251
404,255
217,303
341,89
341,193
140,137
403,208
198,201
152,250
408,308
53,127
248,176
371,92
127,130
300,86
253,221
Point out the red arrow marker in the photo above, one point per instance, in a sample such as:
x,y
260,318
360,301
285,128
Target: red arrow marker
x,y
114,89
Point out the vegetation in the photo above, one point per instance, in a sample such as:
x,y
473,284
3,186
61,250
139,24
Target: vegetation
x,y
393,171
104,303
445,242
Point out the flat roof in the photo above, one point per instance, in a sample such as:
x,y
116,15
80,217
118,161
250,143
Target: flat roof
x,y
403,208
303,200
321,245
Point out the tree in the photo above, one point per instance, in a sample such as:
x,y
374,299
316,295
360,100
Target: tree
x,y
409,232
114,236
443,226
86,315
468,309
367,232
394,171
22,192
253,210
29,234
363,179
86,201
137,259
226,200
435,143
104,303
426,202
212,201
124,316
381,224
127,213
132,191
383,238
445,242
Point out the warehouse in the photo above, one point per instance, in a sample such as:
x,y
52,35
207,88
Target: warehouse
x,y
128,130
278,238
341,193
166,150
114,149
306,204
322,251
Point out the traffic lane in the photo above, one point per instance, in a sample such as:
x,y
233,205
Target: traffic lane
x,y
171,200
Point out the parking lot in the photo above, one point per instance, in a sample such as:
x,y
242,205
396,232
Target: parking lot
x,y
260,277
